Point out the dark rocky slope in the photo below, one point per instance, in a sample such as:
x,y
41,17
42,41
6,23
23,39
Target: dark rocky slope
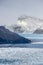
x,y
7,36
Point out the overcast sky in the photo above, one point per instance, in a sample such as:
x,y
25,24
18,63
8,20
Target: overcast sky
x,y
10,10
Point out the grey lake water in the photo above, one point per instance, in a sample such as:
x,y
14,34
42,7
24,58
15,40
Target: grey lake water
x,y
23,54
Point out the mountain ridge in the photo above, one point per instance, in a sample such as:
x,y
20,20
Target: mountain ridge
x,y
26,24
38,31
7,36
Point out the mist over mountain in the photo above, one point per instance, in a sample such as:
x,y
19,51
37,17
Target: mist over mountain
x,y
7,37
26,24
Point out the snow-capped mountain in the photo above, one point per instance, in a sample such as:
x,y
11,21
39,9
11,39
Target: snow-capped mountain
x,y
27,24
38,31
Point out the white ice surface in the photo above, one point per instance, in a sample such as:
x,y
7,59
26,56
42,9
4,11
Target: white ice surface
x,y
21,56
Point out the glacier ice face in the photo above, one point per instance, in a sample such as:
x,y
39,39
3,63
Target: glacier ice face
x,y
21,56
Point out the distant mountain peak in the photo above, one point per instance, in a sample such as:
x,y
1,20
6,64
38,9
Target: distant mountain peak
x,y
38,31
26,24
22,17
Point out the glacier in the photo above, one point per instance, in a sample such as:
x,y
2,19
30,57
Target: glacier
x,y
21,56
31,54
